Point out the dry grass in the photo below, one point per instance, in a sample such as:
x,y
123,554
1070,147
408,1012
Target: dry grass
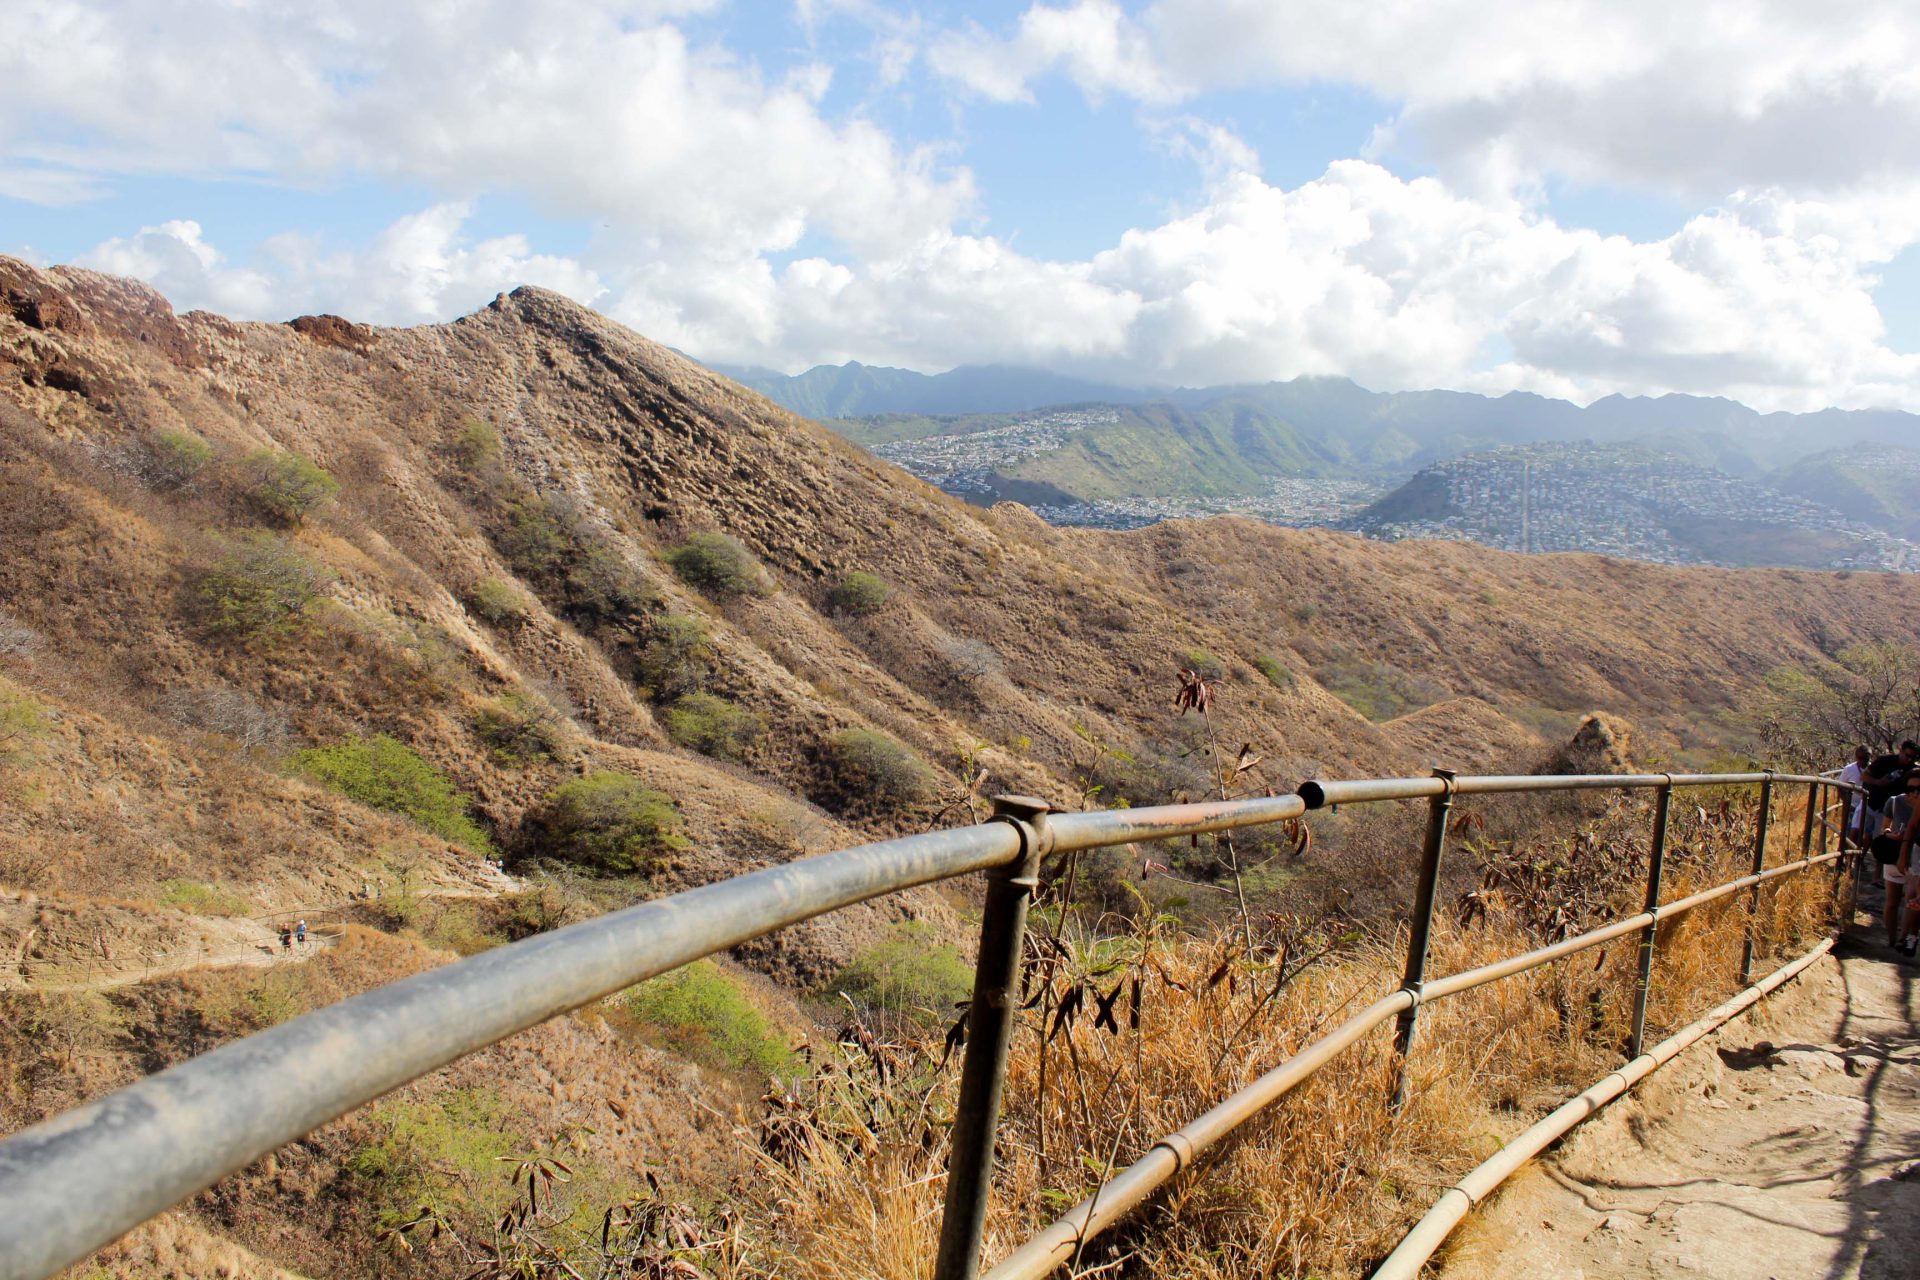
x,y
1326,1182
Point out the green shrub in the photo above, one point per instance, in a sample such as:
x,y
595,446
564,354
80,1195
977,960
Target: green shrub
x,y
700,1011
1276,674
532,537
476,446
285,485
602,584
720,564
869,764
444,1153
521,728
384,773
1205,665
21,721
200,899
606,822
675,659
909,977
1378,690
859,594
713,726
261,586
500,603
176,457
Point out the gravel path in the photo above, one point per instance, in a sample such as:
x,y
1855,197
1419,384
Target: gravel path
x,y
1785,1146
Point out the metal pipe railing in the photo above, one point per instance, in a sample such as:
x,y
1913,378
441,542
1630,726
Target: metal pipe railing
x,y
77,1181
1112,1201
1431,1231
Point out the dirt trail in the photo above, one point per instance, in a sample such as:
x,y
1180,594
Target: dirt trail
x,y
1787,1145
244,952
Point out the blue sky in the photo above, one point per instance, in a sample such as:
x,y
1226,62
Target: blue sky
x,y
1580,199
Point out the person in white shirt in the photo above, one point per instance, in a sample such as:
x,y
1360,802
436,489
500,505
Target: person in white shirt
x,y
1855,773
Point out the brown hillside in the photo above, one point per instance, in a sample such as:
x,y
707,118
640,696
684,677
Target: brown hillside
x,y
494,586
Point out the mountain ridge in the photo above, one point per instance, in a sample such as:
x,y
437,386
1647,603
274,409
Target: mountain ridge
x,y
516,494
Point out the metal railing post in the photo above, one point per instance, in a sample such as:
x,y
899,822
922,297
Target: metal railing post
x,y
1421,931
1759,865
1656,863
996,995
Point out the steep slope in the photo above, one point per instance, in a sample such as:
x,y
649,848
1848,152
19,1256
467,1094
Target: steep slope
x,y
502,588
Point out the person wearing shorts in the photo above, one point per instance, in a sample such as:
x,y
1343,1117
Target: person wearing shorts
x,y
1894,870
1902,875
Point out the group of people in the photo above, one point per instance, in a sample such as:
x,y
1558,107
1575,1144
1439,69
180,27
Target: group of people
x,y
1886,821
292,933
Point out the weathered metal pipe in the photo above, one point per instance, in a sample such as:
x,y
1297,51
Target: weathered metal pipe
x,y
1656,863
1127,1190
1320,793
72,1183
996,994
1420,931
1762,824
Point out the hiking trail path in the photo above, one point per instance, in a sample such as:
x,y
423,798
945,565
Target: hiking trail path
x,y
1786,1146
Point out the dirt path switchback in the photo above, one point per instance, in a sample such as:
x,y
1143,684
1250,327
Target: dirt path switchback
x,y
1784,1147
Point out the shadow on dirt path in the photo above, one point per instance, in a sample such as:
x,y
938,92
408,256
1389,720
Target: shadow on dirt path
x,y
1786,1146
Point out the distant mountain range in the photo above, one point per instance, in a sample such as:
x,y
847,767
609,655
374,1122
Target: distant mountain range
x,y
856,390
1661,478
1329,425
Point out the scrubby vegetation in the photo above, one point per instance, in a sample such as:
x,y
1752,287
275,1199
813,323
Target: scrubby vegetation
x,y
496,602
21,721
1277,674
286,486
1378,690
384,773
871,769
203,899
702,1011
442,1155
676,658
175,457
521,728
720,565
913,978
859,594
1867,695
260,587
713,726
606,822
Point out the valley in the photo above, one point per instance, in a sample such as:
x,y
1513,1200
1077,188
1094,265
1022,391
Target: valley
x,y
323,615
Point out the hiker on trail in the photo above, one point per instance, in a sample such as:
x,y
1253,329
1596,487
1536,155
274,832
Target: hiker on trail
x,y
1855,773
286,937
1909,929
300,933
1886,778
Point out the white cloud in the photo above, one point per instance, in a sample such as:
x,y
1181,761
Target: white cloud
x,y
421,268
587,105
1396,283
702,176
1093,42
1697,100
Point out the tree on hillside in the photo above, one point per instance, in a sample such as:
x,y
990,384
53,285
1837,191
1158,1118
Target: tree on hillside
x,y
1813,718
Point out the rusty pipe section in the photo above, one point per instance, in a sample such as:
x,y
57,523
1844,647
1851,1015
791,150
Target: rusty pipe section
x,y
1430,1232
1321,793
1469,978
1124,826
81,1179
1125,1192
1111,1202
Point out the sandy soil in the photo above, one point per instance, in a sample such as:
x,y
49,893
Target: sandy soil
x,y
1785,1146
